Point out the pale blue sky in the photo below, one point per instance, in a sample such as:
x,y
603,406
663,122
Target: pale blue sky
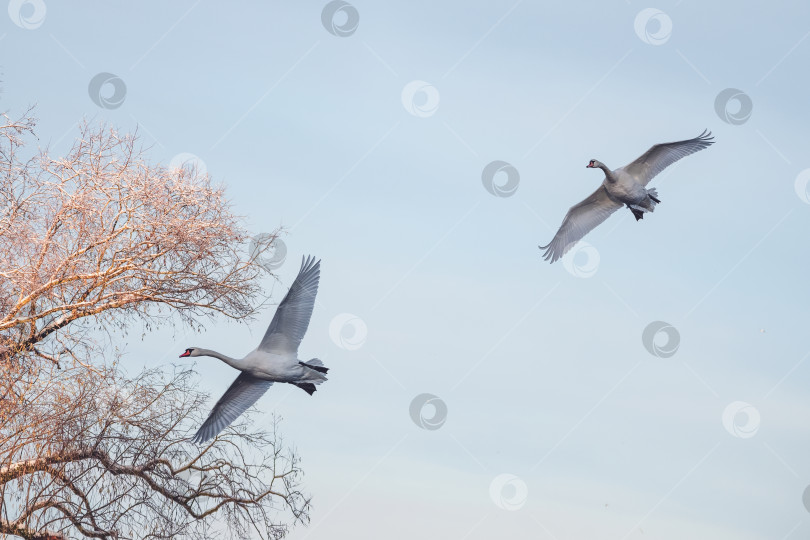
x,y
544,374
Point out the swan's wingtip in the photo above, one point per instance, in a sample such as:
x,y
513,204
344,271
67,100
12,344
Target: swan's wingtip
x,y
549,253
706,136
308,261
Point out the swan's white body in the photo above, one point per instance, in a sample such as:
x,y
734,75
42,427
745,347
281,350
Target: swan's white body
x,y
625,186
267,366
274,367
274,360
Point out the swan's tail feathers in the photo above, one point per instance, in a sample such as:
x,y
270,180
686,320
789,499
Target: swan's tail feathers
x,y
645,205
314,374
307,387
315,364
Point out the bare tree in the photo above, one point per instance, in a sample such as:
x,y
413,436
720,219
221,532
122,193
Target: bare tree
x,y
91,244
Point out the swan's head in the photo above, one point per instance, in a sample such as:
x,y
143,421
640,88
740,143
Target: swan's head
x,y
191,351
593,164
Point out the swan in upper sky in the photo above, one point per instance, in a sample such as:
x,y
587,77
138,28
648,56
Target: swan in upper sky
x,y
622,187
274,360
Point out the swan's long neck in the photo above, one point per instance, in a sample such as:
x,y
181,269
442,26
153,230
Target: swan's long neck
x,y
233,362
608,172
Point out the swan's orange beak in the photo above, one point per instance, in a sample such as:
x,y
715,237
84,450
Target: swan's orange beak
x,y
186,353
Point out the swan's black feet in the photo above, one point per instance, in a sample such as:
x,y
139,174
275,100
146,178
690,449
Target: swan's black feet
x,y
319,369
638,214
654,199
307,387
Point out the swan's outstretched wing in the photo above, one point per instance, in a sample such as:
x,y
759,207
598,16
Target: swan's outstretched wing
x,y
579,221
292,316
242,393
661,156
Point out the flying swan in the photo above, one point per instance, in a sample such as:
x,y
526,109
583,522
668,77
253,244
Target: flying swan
x,y
274,360
623,187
